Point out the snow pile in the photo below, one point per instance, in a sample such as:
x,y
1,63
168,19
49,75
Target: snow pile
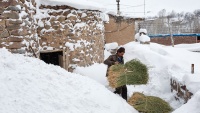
x,y
106,54
192,82
164,62
39,87
137,36
110,46
144,38
143,31
96,72
192,106
28,85
105,17
190,47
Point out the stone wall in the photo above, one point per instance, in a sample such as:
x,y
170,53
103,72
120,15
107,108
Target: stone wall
x,y
121,33
177,40
81,31
17,26
28,29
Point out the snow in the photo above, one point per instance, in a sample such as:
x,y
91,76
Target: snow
x,y
110,46
70,15
70,45
144,38
137,36
164,62
29,85
143,31
192,105
105,17
190,47
83,4
83,15
18,6
94,72
106,54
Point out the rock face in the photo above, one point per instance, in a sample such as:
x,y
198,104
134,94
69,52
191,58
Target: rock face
x,y
54,28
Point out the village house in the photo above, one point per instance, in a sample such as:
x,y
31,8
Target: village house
x,y
120,29
58,34
178,38
63,34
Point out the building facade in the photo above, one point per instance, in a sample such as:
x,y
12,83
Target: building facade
x,y
61,35
178,39
120,29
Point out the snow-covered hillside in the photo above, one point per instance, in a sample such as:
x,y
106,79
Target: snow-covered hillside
x,y
164,62
28,85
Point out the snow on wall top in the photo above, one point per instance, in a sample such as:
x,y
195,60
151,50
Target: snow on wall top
x,y
78,4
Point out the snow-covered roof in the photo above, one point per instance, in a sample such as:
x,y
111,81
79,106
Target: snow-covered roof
x,y
83,4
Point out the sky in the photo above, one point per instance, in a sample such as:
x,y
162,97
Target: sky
x,y
152,7
132,8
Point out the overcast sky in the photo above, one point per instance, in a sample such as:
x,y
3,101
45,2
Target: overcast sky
x,y
136,7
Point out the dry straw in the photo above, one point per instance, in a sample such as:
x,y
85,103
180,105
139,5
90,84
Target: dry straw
x,y
132,73
149,104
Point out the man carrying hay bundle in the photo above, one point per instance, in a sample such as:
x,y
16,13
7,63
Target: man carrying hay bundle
x,y
115,60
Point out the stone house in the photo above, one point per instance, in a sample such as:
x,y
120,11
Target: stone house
x,y
58,34
120,29
178,39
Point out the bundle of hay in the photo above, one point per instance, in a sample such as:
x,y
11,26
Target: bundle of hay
x,y
132,73
149,104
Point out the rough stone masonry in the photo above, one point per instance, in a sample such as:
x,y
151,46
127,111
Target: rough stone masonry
x,y
27,29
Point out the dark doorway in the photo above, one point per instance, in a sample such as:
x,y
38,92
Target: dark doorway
x,y
52,58
198,39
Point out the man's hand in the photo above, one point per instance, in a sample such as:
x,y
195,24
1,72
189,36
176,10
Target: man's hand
x,y
116,62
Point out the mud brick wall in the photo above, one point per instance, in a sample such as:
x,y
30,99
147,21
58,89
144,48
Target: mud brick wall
x,y
177,40
125,34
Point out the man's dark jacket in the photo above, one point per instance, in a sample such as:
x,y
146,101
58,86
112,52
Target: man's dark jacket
x,y
112,59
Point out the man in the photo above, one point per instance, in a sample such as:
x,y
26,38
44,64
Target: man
x,y
117,59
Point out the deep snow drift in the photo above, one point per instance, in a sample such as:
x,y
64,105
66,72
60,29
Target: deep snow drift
x,y
164,62
28,85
